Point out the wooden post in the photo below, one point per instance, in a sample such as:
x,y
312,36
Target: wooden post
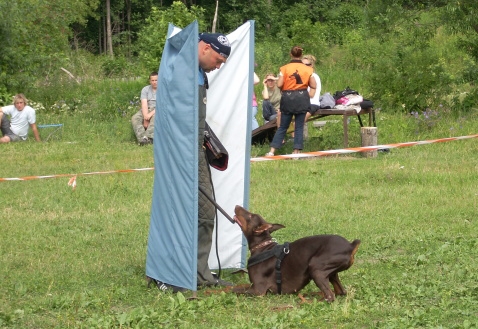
x,y
345,122
369,138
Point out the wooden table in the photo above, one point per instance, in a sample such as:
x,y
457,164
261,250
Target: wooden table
x,y
345,115
268,129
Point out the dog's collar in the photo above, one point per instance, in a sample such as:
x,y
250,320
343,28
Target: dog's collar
x,y
262,244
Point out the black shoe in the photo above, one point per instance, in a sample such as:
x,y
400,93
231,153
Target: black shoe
x,y
220,282
164,287
223,283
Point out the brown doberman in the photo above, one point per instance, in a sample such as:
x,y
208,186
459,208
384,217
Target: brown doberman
x,y
286,269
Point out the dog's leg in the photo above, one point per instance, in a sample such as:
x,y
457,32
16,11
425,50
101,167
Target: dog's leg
x,y
322,282
248,289
241,288
338,288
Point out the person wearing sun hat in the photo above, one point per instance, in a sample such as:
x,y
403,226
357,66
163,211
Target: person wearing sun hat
x,y
271,95
213,51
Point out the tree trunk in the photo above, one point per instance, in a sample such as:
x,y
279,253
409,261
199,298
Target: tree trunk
x,y
109,39
105,48
75,39
215,18
128,18
100,39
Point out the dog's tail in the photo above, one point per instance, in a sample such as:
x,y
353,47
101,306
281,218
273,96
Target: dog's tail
x,y
355,245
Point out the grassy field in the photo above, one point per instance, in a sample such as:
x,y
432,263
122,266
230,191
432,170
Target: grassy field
x,y
76,258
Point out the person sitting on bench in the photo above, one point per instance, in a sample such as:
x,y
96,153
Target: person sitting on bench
x,y
271,95
310,60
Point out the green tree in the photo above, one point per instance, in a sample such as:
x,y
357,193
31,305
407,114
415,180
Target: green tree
x,y
35,37
461,17
152,37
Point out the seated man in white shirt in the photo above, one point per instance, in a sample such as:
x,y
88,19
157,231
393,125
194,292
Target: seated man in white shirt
x,y
21,116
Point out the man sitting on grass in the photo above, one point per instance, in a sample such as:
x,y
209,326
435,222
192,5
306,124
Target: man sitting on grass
x,y
143,120
21,116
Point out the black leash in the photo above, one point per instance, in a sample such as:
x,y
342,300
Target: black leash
x,y
280,257
206,85
218,207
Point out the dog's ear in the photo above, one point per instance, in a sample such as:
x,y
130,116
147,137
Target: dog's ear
x,y
275,227
261,229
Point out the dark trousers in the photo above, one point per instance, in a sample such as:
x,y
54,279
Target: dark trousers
x,y
5,126
206,210
285,121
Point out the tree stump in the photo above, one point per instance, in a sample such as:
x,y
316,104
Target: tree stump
x,y
369,138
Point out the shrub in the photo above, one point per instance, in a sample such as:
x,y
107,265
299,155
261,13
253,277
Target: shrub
x,y
467,101
152,37
118,66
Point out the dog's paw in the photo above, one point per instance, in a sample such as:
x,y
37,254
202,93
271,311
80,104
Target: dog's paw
x,y
241,289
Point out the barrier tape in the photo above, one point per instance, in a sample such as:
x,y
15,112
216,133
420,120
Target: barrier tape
x,y
72,181
357,149
73,176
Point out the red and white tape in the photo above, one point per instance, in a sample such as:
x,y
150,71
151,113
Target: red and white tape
x,y
72,181
73,176
357,149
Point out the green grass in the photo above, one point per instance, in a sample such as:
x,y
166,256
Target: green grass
x,y
76,258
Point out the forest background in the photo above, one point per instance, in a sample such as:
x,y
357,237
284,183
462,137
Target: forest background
x,y
405,55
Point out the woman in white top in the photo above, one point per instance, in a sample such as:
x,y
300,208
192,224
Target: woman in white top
x,y
310,60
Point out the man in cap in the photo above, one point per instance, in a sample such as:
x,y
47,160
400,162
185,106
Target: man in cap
x,y
213,51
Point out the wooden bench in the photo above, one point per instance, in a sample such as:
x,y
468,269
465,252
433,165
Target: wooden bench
x,y
259,135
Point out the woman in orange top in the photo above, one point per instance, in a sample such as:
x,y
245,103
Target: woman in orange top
x,y
294,78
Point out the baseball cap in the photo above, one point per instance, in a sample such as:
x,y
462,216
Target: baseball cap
x,y
218,42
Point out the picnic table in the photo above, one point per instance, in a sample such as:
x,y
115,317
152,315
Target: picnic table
x,y
267,131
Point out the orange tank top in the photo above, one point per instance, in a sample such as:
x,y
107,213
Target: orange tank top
x,y
296,75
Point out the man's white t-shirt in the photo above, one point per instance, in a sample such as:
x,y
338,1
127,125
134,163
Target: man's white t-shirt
x,y
20,120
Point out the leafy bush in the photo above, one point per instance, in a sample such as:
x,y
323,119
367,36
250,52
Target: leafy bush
x,y
269,56
341,21
118,66
5,96
152,37
470,72
467,101
410,78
